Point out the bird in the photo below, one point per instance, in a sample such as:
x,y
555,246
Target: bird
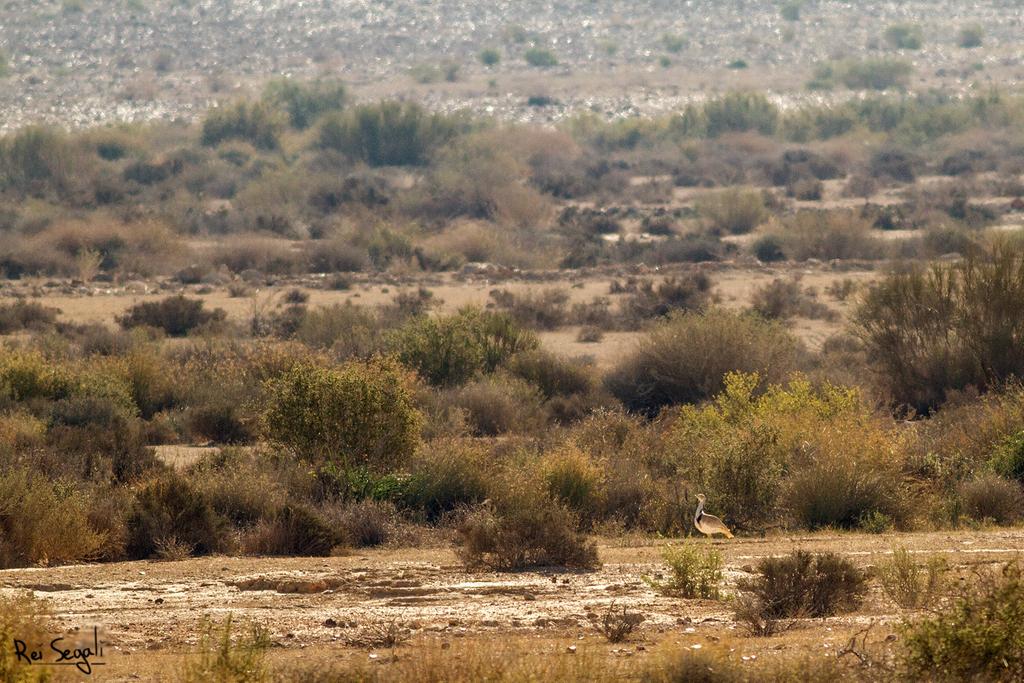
x,y
709,525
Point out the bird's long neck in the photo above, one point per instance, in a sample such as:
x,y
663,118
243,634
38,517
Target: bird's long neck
x,y
700,511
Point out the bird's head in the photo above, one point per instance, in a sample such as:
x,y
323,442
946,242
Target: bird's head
x,y
701,497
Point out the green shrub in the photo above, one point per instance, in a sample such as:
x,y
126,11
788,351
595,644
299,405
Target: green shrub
x,y
907,584
27,375
874,74
791,10
1007,458
544,310
227,657
526,530
169,510
540,57
695,572
686,359
175,315
489,56
305,103
388,133
358,414
979,637
673,43
904,36
37,160
256,123
971,37
805,585
551,374
450,350
445,476
740,112
575,479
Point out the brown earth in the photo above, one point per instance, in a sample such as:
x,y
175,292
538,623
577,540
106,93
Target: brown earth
x,y
325,609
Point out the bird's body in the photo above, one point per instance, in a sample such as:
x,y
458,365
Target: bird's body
x,y
709,525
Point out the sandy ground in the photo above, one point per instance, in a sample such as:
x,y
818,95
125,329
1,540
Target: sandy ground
x,y
148,610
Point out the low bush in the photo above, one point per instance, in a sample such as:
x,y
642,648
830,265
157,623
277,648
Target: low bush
x,y
783,299
540,57
228,657
904,36
990,497
909,585
22,315
971,37
304,103
255,123
733,211
979,637
544,310
388,133
497,405
24,617
801,585
673,364
694,572
365,523
360,413
827,235
575,479
170,510
44,522
450,350
175,315
294,529
446,475
671,295
526,529
551,374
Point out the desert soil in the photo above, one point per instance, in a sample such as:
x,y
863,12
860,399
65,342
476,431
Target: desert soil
x,y
151,612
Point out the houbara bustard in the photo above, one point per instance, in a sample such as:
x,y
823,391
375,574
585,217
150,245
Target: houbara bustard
x,y
709,525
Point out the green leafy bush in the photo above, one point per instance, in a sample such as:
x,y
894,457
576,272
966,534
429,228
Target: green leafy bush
x,y
904,36
169,510
971,37
540,57
695,572
388,133
979,637
305,103
357,414
450,350
256,123
733,211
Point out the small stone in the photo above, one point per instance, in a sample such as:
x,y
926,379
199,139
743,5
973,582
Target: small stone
x,y
330,623
571,649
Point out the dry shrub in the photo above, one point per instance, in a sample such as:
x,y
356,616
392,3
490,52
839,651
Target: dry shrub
x,y
671,295
21,315
477,241
24,617
783,299
947,328
828,235
909,585
262,254
228,657
734,211
169,507
575,479
446,475
241,486
616,625
365,523
175,315
346,329
552,375
295,529
527,530
498,404
44,522
799,585
544,310
990,497
685,359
